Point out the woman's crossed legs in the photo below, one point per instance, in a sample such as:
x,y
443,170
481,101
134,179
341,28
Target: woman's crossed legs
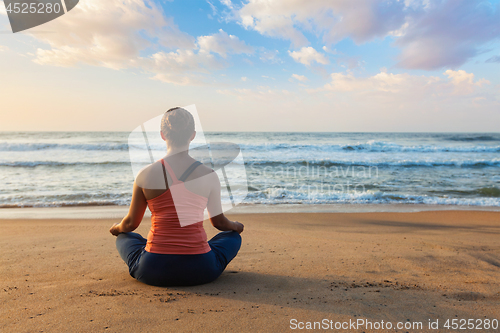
x,y
177,269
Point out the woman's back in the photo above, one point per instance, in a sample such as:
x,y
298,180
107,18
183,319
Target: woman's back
x,y
177,216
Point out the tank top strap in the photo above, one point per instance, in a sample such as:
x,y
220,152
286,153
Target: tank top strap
x,y
189,170
170,171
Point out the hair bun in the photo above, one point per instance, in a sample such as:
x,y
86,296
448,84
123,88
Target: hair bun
x,y
177,126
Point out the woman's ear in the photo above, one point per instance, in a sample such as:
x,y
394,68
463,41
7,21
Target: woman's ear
x,y
162,136
192,136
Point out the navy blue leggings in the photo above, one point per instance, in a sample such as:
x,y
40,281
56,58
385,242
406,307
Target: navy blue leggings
x,y
177,269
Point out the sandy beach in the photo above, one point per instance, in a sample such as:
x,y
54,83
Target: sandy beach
x,y
65,275
358,143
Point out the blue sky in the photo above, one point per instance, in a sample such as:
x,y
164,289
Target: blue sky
x,y
273,65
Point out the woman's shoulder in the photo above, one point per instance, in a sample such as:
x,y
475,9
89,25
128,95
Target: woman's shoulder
x,y
151,176
203,170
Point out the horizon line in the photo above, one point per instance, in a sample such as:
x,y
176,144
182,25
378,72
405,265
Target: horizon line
x,y
414,132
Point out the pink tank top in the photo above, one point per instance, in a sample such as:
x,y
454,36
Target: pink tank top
x,y
167,234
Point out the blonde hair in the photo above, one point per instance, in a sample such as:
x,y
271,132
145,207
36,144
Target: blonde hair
x,y
177,126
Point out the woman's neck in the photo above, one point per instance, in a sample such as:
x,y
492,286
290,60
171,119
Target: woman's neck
x,y
178,151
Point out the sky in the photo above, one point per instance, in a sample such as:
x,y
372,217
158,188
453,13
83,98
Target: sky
x,y
257,65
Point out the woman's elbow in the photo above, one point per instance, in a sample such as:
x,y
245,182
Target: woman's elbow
x,y
215,223
128,224
218,221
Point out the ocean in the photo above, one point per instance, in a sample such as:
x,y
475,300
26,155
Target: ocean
x,y
55,169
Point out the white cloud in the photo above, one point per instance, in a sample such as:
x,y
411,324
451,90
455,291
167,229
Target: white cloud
x,y
327,50
464,82
455,101
244,79
400,86
274,26
182,67
3,48
108,33
307,55
335,20
431,34
448,33
114,33
460,77
415,4
300,78
214,9
222,44
380,82
399,32
227,3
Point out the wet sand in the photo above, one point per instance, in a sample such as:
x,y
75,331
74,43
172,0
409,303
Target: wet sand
x,y
66,275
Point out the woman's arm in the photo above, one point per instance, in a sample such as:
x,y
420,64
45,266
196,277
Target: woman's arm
x,y
222,223
135,213
214,207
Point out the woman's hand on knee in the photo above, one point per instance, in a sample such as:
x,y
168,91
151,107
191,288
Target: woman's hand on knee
x,y
114,229
224,224
238,227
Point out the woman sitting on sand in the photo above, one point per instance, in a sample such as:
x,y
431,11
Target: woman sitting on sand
x,y
177,189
